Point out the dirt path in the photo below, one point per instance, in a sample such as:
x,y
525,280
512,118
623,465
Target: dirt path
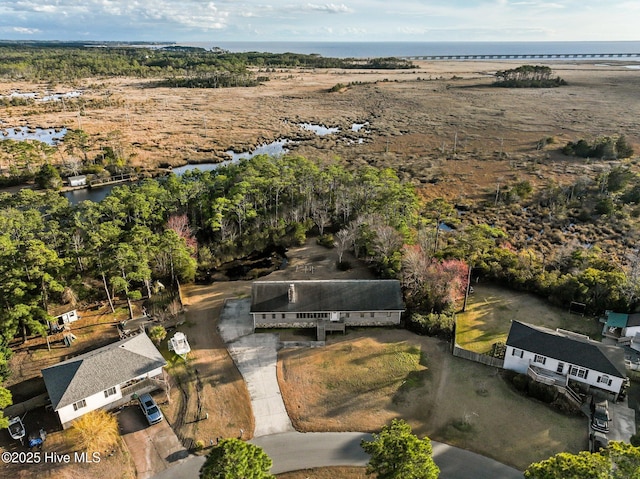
x,y
209,399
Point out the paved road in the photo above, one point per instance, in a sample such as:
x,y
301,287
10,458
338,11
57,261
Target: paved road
x,y
293,451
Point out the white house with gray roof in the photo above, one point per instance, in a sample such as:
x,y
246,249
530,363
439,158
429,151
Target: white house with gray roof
x,y
555,357
103,378
326,304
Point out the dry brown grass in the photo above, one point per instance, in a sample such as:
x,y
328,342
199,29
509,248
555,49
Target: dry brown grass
x,y
208,382
446,398
114,462
95,431
327,473
413,118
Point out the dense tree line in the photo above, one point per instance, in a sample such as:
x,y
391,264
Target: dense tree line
x,y
60,62
528,76
606,148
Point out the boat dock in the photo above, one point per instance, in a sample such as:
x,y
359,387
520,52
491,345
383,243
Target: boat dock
x,y
112,180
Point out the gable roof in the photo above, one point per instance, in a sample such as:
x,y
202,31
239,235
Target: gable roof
x,y
568,347
327,296
80,377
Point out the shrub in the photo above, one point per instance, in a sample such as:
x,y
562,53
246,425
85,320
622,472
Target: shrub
x,y
542,392
95,431
326,240
343,265
521,382
432,324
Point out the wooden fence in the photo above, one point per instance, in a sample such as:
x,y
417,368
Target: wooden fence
x,y
477,357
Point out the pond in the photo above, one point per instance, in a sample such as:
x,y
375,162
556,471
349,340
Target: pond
x,y
319,130
275,148
96,195
50,136
358,126
88,194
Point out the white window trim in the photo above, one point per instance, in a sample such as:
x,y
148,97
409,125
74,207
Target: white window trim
x,y
517,352
110,392
539,358
578,372
79,404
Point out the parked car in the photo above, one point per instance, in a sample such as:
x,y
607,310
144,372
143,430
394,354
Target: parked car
x,y
600,417
150,409
597,441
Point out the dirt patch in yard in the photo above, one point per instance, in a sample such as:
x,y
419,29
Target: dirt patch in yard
x,y
491,309
446,398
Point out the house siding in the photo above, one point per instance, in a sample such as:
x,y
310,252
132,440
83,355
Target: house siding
x,y
95,401
521,364
351,318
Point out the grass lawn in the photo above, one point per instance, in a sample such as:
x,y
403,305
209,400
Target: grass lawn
x,y
359,382
491,309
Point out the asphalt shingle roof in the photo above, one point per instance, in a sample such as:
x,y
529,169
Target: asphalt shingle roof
x,y
568,348
80,377
327,295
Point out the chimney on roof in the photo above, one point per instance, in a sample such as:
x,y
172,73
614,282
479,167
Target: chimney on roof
x,y
292,293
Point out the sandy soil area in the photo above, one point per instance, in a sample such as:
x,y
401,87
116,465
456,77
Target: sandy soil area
x,y
441,120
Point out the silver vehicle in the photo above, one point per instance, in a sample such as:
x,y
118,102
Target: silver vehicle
x,y
600,418
150,409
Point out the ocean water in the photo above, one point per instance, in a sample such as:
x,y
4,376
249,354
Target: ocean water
x,y
413,49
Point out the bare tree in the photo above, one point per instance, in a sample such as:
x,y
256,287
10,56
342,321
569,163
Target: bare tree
x,y
343,239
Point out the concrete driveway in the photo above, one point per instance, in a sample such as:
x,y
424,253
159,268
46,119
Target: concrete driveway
x,y
256,356
153,448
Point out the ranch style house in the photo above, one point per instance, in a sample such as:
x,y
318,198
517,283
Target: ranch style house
x,y
555,357
328,305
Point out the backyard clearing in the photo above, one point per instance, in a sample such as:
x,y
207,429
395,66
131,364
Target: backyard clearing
x,y
491,309
342,387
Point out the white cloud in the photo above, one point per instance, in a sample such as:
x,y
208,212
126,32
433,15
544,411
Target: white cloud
x,y
330,8
376,20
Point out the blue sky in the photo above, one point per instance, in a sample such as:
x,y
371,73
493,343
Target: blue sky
x,y
314,20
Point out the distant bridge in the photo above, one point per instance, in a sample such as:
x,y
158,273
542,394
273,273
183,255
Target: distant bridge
x,y
524,56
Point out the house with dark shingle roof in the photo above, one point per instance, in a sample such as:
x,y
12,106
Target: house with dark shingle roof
x,y
103,378
564,356
326,303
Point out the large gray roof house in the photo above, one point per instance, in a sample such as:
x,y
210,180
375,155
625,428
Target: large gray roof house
x,y
546,354
326,304
103,378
